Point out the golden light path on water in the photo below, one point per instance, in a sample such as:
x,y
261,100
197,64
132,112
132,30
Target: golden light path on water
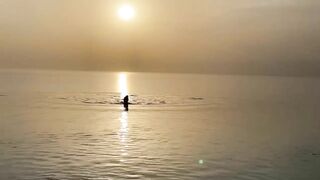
x,y
122,85
123,133
123,130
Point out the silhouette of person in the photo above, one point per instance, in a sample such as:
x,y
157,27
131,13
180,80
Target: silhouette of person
x,y
126,103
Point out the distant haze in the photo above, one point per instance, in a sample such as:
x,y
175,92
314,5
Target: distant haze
x,y
267,37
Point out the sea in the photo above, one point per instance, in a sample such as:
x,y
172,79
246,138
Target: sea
x,y
71,125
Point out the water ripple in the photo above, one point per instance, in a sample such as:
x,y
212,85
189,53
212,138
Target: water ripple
x,y
112,100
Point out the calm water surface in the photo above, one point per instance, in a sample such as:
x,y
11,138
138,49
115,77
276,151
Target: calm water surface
x,y
70,125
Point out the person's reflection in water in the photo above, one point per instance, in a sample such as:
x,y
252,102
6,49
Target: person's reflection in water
x,y
126,103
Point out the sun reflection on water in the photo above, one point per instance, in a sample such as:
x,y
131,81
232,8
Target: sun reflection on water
x,y
123,126
123,135
123,130
122,85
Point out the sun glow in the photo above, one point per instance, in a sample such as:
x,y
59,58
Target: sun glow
x,y
126,12
122,85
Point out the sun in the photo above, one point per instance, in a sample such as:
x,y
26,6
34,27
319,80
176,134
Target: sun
x,y
126,12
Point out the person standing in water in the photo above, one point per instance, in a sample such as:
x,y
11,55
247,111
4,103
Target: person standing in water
x,y
126,103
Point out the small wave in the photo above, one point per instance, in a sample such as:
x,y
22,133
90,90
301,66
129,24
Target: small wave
x,y
196,98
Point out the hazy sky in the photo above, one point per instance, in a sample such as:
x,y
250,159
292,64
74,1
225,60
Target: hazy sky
x,y
280,37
